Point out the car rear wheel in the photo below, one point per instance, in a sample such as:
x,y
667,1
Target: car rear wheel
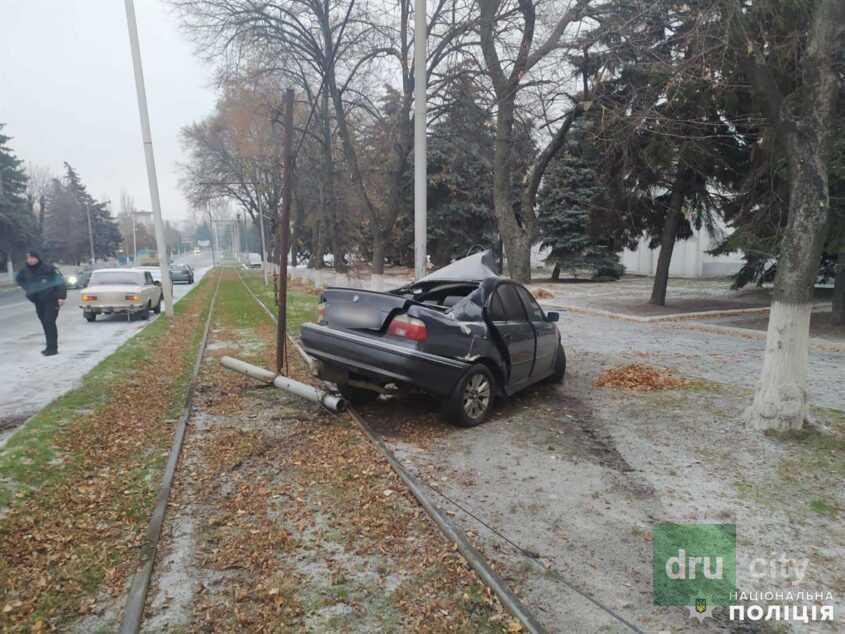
x,y
90,316
356,395
472,400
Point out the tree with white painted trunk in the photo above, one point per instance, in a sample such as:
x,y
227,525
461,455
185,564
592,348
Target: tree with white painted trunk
x,y
800,108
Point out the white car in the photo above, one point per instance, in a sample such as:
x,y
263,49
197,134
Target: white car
x,y
128,291
155,272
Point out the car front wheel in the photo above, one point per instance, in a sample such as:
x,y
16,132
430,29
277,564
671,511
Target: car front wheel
x,y
560,365
145,312
90,316
157,308
472,400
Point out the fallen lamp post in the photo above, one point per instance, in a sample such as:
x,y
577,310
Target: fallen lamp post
x,y
331,402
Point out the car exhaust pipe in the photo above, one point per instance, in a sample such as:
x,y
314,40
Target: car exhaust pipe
x,y
329,401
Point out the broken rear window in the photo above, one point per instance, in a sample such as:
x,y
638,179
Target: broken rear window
x,y
469,308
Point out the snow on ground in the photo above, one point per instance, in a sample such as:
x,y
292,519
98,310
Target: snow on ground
x,y
29,380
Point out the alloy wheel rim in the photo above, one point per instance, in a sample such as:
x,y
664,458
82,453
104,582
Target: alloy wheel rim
x,y
476,395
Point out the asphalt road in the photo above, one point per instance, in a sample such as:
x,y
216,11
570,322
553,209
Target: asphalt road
x,y
28,380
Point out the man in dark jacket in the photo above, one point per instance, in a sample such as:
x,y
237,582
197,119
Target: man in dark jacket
x,y
45,287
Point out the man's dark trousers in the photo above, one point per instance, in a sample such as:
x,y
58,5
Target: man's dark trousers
x,y
48,312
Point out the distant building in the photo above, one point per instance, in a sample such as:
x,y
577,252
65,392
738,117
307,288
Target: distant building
x,y
144,218
689,258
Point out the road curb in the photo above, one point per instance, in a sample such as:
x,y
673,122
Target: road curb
x,y
690,321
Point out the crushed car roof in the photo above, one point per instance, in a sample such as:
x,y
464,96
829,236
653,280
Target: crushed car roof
x,y
473,268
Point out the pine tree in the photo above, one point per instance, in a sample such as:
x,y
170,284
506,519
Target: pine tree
x,y
564,202
17,224
460,181
66,221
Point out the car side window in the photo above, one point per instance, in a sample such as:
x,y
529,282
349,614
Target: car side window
x,y
511,303
148,279
531,306
497,310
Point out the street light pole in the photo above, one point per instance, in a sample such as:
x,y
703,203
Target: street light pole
x,y
134,240
420,184
161,244
90,233
264,262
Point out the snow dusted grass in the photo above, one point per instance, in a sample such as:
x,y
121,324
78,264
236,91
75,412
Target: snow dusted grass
x,y
30,459
302,303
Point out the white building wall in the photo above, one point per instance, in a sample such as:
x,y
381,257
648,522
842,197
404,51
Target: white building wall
x,y
689,259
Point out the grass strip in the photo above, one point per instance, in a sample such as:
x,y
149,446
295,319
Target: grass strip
x,y
80,478
301,304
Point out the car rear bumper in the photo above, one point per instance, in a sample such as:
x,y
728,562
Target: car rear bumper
x,y
381,360
108,310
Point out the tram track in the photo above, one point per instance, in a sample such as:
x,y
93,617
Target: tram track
x,y
136,597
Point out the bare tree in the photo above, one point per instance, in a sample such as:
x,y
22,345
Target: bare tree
x,y
39,178
508,59
236,152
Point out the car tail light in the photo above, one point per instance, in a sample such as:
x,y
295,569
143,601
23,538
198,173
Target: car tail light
x,y
89,298
133,298
408,327
321,312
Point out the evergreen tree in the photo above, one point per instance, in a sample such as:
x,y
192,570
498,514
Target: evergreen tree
x,y
460,178
66,221
564,201
17,224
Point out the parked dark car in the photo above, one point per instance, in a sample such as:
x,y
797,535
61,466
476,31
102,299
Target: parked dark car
x,y
462,334
182,273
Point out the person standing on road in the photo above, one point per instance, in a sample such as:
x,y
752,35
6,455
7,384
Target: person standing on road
x,y
45,287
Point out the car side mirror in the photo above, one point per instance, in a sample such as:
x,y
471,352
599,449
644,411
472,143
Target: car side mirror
x,y
552,316
156,283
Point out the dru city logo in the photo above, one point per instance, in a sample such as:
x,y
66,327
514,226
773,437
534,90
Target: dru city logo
x,y
694,565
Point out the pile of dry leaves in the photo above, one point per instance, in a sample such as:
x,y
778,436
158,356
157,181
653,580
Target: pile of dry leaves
x,y
640,377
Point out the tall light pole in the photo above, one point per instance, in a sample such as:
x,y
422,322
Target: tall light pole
x,y
161,244
264,262
420,184
90,233
134,239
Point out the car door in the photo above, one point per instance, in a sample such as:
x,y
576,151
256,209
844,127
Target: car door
x,y
511,322
545,332
150,289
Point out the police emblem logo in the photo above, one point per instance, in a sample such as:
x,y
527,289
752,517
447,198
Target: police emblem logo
x,y
701,606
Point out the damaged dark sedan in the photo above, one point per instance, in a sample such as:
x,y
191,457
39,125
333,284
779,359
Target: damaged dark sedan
x,y
462,334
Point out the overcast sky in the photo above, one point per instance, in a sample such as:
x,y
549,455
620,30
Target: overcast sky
x,y
67,93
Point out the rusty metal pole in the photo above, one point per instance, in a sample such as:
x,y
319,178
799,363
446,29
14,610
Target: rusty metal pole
x,y
284,232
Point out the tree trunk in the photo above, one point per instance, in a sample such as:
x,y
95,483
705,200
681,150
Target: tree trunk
x,y
780,402
378,252
316,260
517,241
838,308
674,215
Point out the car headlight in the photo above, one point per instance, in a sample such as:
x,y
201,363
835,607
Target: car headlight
x,y
72,280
